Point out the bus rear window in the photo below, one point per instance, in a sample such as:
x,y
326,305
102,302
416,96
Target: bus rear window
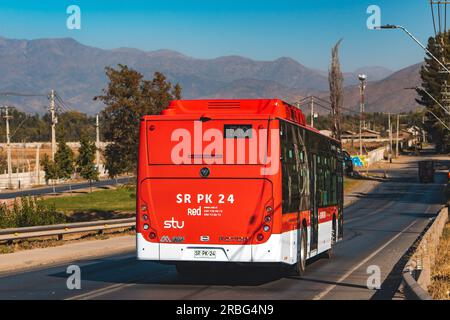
x,y
237,131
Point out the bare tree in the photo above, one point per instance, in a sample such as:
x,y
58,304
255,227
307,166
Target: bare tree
x,y
335,80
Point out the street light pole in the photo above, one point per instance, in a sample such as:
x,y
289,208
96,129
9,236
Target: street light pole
x,y
390,26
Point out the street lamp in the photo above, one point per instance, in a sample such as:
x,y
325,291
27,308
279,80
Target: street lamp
x,y
391,26
362,87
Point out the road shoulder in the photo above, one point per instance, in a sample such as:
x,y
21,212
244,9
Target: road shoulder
x,y
30,259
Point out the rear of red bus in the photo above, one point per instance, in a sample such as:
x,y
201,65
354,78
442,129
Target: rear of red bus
x,y
199,202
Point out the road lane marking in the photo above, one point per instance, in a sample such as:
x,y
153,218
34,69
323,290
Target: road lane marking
x,y
359,265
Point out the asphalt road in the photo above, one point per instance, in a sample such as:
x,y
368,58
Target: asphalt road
x,y
379,229
60,188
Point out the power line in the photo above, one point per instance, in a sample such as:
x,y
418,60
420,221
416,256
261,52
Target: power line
x,y
63,103
19,126
18,94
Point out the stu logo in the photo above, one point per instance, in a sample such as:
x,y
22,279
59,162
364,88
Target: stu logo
x,y
173,224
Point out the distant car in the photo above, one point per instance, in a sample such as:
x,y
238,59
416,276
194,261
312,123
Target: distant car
x,y
348,163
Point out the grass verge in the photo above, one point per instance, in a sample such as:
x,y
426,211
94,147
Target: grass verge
x,y
103,204
350,184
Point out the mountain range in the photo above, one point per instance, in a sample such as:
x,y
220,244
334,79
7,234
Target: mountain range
x,y
77,73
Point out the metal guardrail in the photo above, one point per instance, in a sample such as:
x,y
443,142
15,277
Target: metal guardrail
x,y
63,229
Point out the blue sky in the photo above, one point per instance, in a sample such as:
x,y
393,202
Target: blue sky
x,y
302,29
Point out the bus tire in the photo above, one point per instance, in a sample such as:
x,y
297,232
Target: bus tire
x,y
329,253
299,267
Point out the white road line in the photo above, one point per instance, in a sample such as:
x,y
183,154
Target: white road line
x,y
99,292
347,274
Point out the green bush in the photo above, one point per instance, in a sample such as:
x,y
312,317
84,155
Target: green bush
x,y
29,211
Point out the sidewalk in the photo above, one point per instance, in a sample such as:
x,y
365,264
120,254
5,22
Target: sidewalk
x,y
28,259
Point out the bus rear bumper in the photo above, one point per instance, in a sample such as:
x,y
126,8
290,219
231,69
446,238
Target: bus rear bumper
x,y
270,251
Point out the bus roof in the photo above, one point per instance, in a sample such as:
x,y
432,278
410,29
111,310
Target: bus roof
x,y
271,107
237,107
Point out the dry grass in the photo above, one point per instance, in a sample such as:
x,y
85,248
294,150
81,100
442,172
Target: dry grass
x,y
351,184
440,277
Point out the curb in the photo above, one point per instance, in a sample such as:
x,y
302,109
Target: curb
x,y
412,290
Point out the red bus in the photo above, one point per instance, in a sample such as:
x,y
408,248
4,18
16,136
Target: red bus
x,y
236,181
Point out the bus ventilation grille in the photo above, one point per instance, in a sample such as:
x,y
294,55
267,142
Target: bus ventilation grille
x,y
224,104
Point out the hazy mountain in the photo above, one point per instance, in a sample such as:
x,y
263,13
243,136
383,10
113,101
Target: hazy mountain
x,y
374,73
76,72
388,95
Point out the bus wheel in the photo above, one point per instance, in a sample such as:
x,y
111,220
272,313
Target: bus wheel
x,y
329,252
300,267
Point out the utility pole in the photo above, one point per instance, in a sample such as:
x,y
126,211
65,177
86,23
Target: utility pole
x,y
312,112
362,87
8,147
423,128
398,135
390,137
97,142
54,122
37,166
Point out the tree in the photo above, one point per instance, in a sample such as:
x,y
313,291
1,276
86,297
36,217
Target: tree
x,y
50,169
433,81
335,80
128,97
64,161
85,165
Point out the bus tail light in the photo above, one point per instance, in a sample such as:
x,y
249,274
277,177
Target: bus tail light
x,y
152,235
260,237
143,207
266,228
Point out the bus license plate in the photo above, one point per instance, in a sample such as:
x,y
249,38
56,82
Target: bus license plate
x,y
205,254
